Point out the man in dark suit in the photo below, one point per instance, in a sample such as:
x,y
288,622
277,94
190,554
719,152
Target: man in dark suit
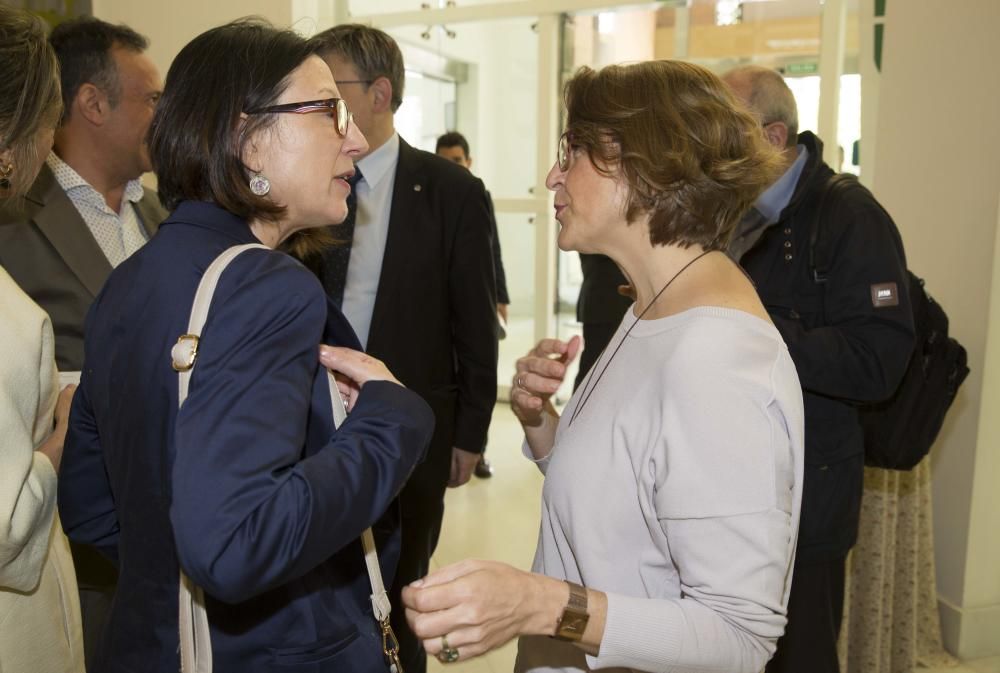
x,y
85,213
417,285
455,148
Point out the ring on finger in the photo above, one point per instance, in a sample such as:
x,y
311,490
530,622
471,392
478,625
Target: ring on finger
x,y
520,382
447,655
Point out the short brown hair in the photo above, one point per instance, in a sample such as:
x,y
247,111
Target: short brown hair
x,y
29,92
373,52
690,155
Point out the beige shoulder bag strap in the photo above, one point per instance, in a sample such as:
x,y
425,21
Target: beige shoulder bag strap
x,y
195,637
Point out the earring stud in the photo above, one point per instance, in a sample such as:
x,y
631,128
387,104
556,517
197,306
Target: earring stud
x,y
260,185
5,172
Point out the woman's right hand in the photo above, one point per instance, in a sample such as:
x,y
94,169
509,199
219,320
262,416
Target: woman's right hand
x,y
52,447
353,369
539,375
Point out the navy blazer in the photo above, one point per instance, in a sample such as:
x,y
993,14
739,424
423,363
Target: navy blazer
x,y
248,487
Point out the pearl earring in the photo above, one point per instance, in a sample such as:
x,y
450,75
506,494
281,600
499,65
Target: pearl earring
x,y
260,185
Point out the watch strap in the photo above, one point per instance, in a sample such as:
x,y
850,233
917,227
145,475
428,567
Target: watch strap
x,y
573,621
577,597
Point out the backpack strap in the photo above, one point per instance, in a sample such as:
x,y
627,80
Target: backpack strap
x,y
820,257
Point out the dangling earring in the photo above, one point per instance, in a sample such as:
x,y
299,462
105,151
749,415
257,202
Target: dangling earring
x,y
5,173
260,185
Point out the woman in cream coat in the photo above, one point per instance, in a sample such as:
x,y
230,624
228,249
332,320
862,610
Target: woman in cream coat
x,y
39,606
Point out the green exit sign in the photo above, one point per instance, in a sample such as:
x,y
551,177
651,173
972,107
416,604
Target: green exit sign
x,y
809,68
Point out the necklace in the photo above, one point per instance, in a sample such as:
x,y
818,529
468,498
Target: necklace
x,y
590,387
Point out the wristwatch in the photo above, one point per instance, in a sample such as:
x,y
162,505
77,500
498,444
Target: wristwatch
x,y
573,621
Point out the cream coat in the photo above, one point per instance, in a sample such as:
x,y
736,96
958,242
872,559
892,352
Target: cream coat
x,y
39,604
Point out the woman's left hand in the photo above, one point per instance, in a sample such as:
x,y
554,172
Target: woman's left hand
x,y
353,369
480,605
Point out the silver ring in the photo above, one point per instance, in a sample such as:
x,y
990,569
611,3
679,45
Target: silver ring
x,y
447,655
520,382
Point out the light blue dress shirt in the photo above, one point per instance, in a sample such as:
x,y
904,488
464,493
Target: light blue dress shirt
x,y
371,229
777,197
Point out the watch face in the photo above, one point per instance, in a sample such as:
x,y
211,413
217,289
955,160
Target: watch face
x,y
572,625
575,624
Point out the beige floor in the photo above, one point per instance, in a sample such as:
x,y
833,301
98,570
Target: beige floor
x,y
494,518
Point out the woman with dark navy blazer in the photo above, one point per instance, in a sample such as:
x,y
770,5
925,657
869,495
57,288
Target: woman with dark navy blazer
x,y
248,487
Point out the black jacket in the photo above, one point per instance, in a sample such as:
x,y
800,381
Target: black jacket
x,y
434,319
845,349
503,297
600,301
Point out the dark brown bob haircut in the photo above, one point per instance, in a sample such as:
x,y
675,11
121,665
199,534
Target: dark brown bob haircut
x,y
198,136
691,157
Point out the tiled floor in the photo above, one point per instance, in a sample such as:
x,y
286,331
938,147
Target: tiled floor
x,y
498,518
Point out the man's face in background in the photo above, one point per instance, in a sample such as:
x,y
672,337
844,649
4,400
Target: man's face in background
x,y
456,154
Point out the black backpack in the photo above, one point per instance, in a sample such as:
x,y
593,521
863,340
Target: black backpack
x,y
899,431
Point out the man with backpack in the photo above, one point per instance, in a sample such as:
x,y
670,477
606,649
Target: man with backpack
x,y
849,329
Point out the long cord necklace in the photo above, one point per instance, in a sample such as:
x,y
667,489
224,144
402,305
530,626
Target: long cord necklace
x,y
589,388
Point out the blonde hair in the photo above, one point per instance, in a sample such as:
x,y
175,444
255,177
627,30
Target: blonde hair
x,y
30,101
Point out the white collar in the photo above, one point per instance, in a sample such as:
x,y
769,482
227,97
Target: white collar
x,y
69,179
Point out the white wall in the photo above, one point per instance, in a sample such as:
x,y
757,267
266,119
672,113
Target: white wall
x,y
938,174
171,25
499,107
497,112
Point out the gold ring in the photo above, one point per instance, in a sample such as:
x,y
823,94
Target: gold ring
x,y
447,655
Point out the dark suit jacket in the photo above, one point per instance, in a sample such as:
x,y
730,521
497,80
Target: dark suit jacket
x,y
600,301
434,320
503,297
248,487
48,250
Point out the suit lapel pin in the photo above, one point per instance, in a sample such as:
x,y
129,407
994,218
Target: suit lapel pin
x,y
417,188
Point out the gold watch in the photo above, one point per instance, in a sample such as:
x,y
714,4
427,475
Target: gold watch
x,y
573,621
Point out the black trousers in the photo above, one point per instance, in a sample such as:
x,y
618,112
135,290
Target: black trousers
x,y
422,510
95,610
96,579
815,609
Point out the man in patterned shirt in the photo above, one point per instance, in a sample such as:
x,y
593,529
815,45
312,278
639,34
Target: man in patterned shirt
x,y
86,213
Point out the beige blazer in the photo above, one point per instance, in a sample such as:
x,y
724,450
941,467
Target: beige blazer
x,y
39,604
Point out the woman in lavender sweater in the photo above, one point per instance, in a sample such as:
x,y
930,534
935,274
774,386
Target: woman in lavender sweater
x,y
674,475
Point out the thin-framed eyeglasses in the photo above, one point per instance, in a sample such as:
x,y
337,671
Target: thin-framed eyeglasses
x,y
335,106
564,151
